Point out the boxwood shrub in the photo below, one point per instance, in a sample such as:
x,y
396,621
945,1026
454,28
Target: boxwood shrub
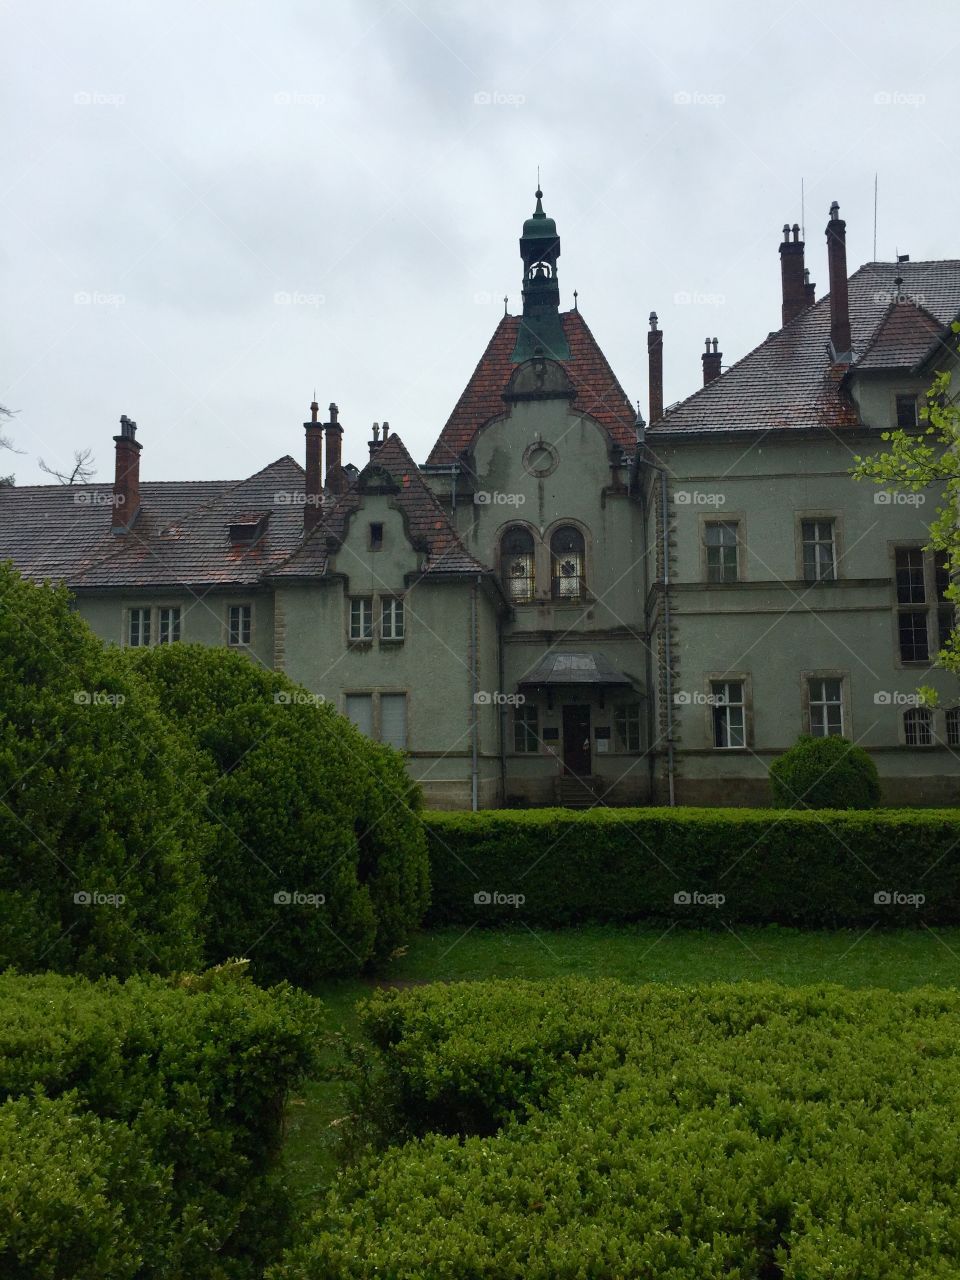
x,y
825,773
153,1108
302,806
736,1130
811,869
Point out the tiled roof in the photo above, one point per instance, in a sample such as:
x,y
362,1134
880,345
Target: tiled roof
x,y
788,382
903,338
180,538
598,391
429,526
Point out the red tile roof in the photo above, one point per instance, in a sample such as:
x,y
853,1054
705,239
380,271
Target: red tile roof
x,y
599,394
903,338
788,382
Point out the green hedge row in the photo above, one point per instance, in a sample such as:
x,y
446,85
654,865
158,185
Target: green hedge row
x,y
554,867
599,1130
140,1121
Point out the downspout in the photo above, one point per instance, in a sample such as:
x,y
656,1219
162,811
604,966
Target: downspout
x,y
474,705
502,744
668,673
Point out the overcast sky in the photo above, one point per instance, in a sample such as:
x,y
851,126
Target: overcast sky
x,y
211,209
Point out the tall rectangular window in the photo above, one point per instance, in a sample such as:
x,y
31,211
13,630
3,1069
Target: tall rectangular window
x,y
239,620
393,720
910,587
729,714
526,731
912,632
168,625
826,707
819,550
391,618
359,709
906,411
361,618
720,539
138,628
627,721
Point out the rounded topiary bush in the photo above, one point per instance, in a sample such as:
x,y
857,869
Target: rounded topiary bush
x,y
319,857
100,842
825,773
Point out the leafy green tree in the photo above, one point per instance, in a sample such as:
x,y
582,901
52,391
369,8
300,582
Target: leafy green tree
x,y
100,846
319,858
915,460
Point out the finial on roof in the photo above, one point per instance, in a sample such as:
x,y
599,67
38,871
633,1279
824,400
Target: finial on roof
x,y
575,296
505,304
314,408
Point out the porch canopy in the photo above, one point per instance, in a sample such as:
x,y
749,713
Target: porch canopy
x,y
581,669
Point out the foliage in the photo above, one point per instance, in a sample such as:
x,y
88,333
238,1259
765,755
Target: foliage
x,y
162,1132
915,460
100,843
812,869
825,773
303,807
592,1129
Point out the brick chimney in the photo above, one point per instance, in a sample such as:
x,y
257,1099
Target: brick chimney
x,y
655,363
840,340
313,488
711,362
809,288
792,274
126,482
375,442
336,480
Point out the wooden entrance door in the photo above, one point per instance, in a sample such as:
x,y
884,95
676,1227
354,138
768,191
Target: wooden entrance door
x,y
576,741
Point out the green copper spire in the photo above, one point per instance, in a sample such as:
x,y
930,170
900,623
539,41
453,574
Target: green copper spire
x,y
540,327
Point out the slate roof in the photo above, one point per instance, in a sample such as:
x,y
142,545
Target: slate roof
x,y
575,668
428,524
180,538
598,391
788,382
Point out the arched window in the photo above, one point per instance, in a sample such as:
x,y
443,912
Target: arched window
x,y
566,556
516,564
918,727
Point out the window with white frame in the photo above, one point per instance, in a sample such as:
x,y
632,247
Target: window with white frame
x,y
912,629
361,618
918,727
953,726
168,624
627,721
393,720
239,624
138,628
819,550
826,706
721,540
391,618
526,730
729,714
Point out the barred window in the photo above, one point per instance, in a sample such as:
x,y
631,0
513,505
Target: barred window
x,y
918,727
517,565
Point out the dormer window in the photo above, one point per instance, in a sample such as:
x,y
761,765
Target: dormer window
x,y
245,530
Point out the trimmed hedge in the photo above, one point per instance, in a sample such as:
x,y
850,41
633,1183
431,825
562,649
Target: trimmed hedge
x,y
152,1112
810,869
825,773
602,1130
300,803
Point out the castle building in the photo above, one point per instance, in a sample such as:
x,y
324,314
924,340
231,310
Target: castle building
x,y
565,604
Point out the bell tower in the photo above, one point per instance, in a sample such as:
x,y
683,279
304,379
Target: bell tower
x,y
540,329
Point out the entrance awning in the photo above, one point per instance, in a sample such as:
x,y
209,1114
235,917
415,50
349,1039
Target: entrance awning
x,y
591,669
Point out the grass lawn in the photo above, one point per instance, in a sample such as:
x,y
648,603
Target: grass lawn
x,y
896,959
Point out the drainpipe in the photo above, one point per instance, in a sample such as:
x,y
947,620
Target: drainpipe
x,y
668,680
502,744
474,705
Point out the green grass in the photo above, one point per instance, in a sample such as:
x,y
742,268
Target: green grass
x,y
898,960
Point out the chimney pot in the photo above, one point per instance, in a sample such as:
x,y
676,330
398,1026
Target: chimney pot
x,y
336,481
840,337
126,481
794,294
313,481
386,430
655,369
711,361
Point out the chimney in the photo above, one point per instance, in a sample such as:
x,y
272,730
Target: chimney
x,y
375,442
336,480
313,489
809,288
711,362
840,341
655,363
386,431
792,274
126,483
